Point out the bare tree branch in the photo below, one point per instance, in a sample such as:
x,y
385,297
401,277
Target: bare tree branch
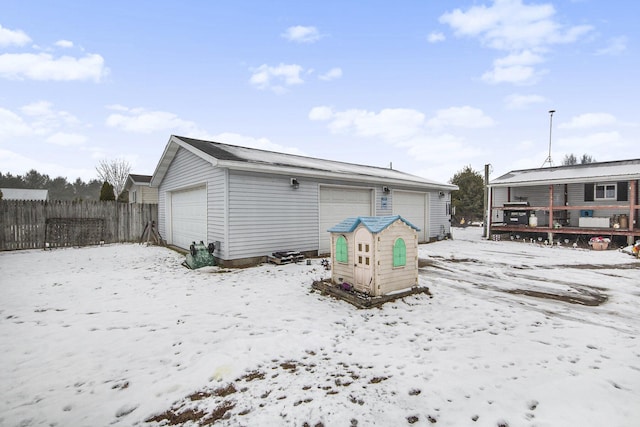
x,y
115,172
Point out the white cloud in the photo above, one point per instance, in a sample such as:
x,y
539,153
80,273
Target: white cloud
x,y
603,140
589,120
409,130
332,74
517,101
44,66
38,119
265,77
321,113
435,37
13,37
139,120
516,74
45,119
300,34
526,31
66,139
463,117
389,123
252,142
19,164
38,108
64,43
616,46
511,25
12,125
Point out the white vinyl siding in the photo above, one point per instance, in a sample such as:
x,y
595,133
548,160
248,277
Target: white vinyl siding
x,y
188,171
267,214
338,203
412,206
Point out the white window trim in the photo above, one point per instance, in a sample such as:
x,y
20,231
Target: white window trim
x,y
605,185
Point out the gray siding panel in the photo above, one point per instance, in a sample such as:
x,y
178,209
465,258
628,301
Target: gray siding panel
x,y
266,214
499,198
439,221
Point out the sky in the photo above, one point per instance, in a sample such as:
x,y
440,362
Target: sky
x,y
425,87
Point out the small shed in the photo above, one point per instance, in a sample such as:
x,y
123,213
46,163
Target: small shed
x,y
377,255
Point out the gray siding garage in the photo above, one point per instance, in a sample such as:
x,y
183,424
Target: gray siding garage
x,y
253,202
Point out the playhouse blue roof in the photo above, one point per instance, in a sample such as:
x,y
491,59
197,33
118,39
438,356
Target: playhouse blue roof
x,y
374,224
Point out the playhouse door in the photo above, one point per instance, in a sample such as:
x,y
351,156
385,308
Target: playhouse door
x,y
363,260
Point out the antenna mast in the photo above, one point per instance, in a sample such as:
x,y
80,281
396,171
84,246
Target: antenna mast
x,y
548,159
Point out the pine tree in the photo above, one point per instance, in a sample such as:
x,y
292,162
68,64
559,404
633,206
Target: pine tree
x,y
468,199
106,192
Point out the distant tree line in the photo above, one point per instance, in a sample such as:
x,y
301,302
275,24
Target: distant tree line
x,y
59,188
571,159
113,176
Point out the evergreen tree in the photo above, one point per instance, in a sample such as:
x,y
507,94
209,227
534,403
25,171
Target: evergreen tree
x,y
586,158
468,199
106,192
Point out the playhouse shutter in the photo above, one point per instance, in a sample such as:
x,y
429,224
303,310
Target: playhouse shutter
x,y
399,253
623,191
342,254
588,192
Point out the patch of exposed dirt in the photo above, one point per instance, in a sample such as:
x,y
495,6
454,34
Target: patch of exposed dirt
x,y
589,299
581,294
341,378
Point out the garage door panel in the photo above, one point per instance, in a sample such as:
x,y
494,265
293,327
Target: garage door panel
x,y
188,216
413,208
336,204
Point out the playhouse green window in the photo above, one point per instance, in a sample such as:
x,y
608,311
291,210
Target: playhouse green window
x,y
399,253
341,250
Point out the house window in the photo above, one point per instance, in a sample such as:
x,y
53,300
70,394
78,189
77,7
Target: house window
x,y
605,191
341,250
399,253
133,196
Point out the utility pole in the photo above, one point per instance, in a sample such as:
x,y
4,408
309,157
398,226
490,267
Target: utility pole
x,y
485,222
548,160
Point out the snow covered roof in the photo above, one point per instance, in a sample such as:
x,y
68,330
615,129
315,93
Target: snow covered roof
x,y
251,159
621,170
24,194
374,224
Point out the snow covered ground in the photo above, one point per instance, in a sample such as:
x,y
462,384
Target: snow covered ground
x,y
516,334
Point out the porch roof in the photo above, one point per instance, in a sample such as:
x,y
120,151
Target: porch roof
x,y
621,170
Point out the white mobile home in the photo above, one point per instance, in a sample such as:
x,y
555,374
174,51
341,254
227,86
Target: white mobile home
x,y
252,202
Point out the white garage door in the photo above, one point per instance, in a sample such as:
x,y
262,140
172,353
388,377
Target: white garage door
x,y
413,208
188,216
336,204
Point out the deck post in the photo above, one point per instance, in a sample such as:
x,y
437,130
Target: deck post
x,y
632,210
550,234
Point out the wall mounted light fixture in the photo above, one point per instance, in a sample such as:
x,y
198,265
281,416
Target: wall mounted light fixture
x,y
294,183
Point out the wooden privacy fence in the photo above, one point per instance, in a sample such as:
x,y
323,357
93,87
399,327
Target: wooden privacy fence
x,y
31,224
